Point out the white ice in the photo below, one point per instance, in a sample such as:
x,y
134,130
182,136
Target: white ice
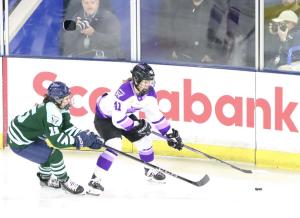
x,y
229,193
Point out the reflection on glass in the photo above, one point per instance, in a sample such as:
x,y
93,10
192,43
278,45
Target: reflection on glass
x,y
102,30
12,4
199,31
34,27
282,35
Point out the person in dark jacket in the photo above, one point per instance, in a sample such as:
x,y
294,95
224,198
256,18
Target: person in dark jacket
x,y
190,31
97,33
286,28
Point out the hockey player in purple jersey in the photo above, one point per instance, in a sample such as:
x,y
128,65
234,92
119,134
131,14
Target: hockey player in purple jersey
x,y
115,117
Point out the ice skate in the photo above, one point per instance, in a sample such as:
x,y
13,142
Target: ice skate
x,y
72,187
154,175
48,181
95,187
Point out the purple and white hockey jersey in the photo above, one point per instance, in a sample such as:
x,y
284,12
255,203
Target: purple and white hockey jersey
x,y
119,105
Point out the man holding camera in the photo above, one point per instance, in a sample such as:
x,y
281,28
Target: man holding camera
x,y
97,33
288,35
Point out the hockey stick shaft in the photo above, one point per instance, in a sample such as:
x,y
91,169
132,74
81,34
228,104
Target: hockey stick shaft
x,y
201,182
205,154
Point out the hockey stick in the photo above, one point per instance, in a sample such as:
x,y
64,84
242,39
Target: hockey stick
x,y
206,155
201,182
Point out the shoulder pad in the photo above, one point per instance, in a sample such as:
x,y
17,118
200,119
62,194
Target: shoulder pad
x,y
54,116
152,92
124,92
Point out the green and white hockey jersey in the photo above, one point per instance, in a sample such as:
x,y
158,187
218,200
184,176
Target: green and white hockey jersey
x,y
44,121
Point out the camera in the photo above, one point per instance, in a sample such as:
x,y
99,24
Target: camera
x,y
83,23
275,26
71,25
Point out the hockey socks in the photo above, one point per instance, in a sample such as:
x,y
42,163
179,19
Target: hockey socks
x,y
104,163
58,169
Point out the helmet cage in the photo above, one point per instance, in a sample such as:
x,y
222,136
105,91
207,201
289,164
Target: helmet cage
x,y
56,92
142,72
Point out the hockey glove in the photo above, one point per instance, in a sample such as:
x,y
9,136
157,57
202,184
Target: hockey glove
x,y
142,129
174,140
88,139
97,144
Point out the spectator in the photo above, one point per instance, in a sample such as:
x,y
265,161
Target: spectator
x,y
270,40
288,37
190,31
97,33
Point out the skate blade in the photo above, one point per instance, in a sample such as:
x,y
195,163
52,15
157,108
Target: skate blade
x,y
154,181
50,187
76,194
70,193
94,192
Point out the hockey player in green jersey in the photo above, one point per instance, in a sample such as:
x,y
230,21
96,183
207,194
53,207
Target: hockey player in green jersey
x,y
50,121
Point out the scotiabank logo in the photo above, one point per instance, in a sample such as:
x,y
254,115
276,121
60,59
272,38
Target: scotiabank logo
x,y
274,116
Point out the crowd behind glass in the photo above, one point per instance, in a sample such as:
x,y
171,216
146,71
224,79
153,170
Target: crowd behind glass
x,y
196,32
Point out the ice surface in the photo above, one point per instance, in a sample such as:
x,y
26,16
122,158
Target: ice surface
x,y
229,193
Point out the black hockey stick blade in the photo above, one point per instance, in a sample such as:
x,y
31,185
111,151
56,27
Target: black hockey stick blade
x,y
201,182
206,155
